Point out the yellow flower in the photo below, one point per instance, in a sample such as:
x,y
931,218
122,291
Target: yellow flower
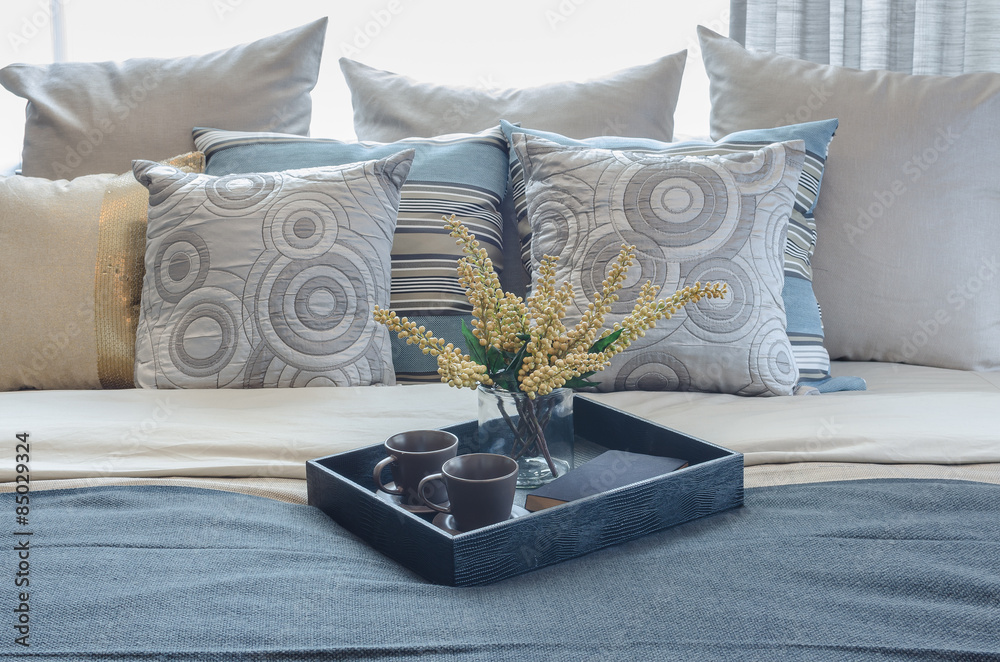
x,y
518,344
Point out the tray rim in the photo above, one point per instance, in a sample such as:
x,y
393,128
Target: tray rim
x,y
728,455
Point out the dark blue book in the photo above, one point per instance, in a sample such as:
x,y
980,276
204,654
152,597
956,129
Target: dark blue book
x,y
605,472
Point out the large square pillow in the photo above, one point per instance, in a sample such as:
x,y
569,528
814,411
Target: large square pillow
x,y
692,219
638,101
71,267
805,326
906,266
267,279
95,117
460,174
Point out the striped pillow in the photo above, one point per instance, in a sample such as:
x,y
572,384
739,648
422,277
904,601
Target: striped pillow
x,y
805,327
460,174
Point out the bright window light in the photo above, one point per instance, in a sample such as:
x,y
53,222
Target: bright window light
x,y
515,43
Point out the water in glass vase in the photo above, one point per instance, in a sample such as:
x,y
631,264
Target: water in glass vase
x,y
538,432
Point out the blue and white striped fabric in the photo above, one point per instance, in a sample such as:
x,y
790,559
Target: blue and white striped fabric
x,y
460,174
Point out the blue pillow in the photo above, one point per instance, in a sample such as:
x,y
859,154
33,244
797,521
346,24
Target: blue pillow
x,y
804,323
460,174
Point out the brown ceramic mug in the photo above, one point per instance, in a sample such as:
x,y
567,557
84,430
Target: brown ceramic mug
x,y
480,489
413,455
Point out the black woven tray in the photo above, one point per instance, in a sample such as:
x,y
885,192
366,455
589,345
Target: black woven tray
x,y
341,485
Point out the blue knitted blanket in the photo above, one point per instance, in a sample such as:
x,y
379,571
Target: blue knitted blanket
x,y
861,570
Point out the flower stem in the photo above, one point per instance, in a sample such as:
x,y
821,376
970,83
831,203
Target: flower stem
x,y
529,431
536,433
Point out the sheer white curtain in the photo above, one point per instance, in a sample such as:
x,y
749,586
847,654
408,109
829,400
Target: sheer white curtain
x,y
914,36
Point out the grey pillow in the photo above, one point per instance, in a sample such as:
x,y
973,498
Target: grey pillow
x,y
906,265
638,101
96,117
691,218
268,279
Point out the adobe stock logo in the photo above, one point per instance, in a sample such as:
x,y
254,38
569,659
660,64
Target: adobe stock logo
x,y
31,26
364,34
223,7
958,297
50,350
562,12
913,170
819,95
454,118
126,103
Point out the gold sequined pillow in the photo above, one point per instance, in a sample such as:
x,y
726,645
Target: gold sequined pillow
x,y
71,268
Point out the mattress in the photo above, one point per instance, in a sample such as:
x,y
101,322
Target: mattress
x,y
910,415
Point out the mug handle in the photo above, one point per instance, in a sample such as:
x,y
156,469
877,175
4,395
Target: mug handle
x,y
428,502
377,475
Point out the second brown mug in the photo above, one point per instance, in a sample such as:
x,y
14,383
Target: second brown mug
x,y
480,489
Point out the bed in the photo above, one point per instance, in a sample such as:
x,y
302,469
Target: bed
x,y
195,541
164,523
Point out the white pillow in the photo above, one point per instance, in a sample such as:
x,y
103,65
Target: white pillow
x,y
638,101
93,117
907,261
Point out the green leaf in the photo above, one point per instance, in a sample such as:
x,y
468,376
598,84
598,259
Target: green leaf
x,y
495,360
603,343
476,351
576,382
508,378
581,381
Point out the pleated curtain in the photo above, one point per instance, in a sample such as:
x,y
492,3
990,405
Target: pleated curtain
x,y
913,36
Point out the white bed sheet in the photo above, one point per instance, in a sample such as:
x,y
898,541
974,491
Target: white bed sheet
x,y
909,415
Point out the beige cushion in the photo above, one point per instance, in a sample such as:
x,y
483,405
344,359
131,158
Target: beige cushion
x,y
908,255
71,266
95,117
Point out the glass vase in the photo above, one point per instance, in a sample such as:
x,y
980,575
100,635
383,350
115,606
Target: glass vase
x,y
538,432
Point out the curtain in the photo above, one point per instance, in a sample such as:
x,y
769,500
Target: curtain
x,y
913,36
